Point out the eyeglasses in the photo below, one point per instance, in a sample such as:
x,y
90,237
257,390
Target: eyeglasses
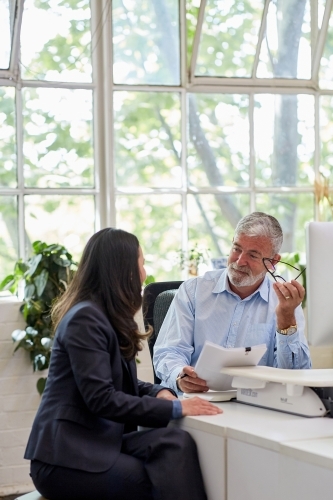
x,y
273,266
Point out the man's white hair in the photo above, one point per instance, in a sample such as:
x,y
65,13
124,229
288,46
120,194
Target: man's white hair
x,y
261,224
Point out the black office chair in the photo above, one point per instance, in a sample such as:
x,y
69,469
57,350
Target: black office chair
x,y
157,298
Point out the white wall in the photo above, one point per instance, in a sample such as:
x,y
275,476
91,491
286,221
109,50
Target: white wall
x,y
19,401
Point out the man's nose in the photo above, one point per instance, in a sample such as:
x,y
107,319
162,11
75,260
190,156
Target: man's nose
x,y
242,259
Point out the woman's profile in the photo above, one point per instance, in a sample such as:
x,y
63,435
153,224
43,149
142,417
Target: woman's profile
x,y
84,443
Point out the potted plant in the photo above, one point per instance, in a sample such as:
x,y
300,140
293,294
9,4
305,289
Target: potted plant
x,y
192,259
45,276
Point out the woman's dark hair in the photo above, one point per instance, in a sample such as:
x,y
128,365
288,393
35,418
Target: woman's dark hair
x,y
108,274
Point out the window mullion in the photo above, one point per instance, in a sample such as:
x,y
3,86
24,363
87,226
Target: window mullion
x,y
183,43
20,176
183,103
260,38
252,153
107,183
98,112
196,41
317,151
15,50
321,40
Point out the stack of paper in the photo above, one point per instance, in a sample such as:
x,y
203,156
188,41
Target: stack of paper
x,y
214,357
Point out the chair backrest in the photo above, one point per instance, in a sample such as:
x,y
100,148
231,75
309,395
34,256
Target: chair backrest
x,y
157,298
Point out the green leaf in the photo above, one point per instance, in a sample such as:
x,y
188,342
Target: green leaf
x,y
8,282
31,331
40,362
18,335
34,264
41,382
150,279
20,268
26,344
41,281
29,292
46,342
38,246
61,262
54,248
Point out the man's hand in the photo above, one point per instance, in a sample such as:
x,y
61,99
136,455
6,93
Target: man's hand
x,y
198,406
165,394
190,382
290,295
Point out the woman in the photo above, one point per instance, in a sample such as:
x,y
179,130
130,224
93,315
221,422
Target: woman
x,y
84,444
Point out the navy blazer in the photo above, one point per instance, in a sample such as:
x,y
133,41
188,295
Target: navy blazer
x,y
90,395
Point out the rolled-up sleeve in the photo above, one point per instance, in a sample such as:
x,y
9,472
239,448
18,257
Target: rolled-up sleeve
x,y
292,351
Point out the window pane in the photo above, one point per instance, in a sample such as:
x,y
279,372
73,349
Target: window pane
x,y
7,138
326,63
66,220
292,211
147,139
213,218
284,139
218,151
60,47
286,48
6,17
146,42
8,235
229,38
57,147
156,221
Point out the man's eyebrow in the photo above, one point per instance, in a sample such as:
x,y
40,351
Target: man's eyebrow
x,y
248,251
254,251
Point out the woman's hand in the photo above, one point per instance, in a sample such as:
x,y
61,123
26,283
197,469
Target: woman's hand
x,y
198,406
165,394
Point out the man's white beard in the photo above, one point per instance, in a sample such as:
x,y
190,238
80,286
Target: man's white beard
x,y
247,279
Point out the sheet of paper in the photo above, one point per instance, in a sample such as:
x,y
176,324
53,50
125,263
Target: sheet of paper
x,y
214,357
217,396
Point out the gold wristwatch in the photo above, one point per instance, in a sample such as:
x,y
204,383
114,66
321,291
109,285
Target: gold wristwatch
x,y
288,331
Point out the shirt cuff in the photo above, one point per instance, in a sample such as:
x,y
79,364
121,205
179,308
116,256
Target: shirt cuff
x,y
288,339
177,411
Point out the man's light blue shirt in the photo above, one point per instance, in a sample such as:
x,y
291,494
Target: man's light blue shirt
x,y
205,308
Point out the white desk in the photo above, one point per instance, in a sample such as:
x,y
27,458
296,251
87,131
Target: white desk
x,y
259,454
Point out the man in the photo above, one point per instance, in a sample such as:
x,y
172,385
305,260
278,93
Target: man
x,y
234,307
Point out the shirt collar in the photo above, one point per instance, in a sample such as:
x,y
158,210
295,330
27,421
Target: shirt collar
x,y
223,285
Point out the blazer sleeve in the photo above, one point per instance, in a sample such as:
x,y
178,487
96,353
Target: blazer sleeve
x,y
95,360
145,388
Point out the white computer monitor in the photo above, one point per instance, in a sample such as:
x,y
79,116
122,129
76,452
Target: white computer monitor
x,y
319,283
